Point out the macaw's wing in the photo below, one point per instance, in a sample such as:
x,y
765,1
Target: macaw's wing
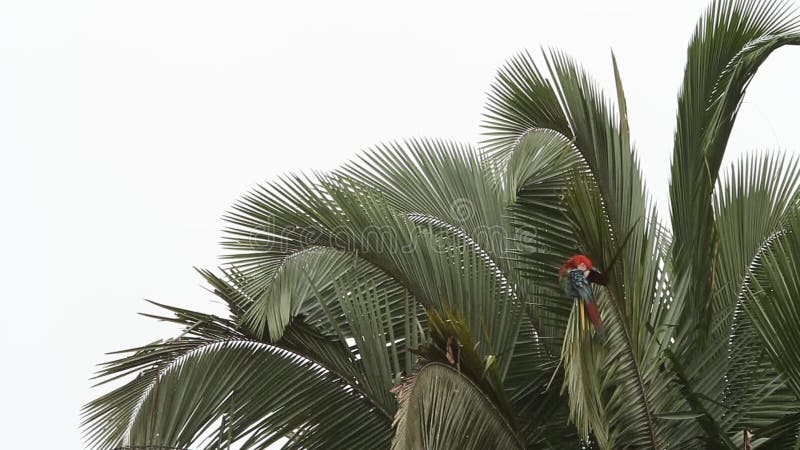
x,y
597,278
584,291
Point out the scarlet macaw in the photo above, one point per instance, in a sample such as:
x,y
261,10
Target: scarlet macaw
x,y
575,276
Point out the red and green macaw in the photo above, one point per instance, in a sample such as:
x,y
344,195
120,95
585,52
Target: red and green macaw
x,y
575,276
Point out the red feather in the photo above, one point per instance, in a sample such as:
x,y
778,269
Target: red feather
x,y
594,314
573,263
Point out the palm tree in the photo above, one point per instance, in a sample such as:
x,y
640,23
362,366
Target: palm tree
x,y
408,299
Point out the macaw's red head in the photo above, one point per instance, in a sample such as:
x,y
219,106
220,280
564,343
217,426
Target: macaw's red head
x,y
574,263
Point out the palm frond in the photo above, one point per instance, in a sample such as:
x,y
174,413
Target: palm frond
x,y
771,303
729,44
238,379
435,181
290,291
752,204
135,414
442,409
522,101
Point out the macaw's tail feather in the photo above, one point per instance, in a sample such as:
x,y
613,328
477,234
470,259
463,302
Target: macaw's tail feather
x,y
594,316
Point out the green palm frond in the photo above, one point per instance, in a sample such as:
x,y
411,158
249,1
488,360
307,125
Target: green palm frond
x,y
188,385
619,210
237,379
434,181
718,231
430,261
772,302
107,419
291,291
532,179
228,288
632,389
442,409
729,44
753,202
540,158
383,354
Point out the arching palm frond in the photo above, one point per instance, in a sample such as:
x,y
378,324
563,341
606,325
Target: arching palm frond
x,y
615,208
442,409
714,243
729,44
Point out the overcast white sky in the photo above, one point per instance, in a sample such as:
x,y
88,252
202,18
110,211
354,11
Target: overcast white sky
x,y
128,128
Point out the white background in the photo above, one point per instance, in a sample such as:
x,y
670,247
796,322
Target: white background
x,y
128,128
